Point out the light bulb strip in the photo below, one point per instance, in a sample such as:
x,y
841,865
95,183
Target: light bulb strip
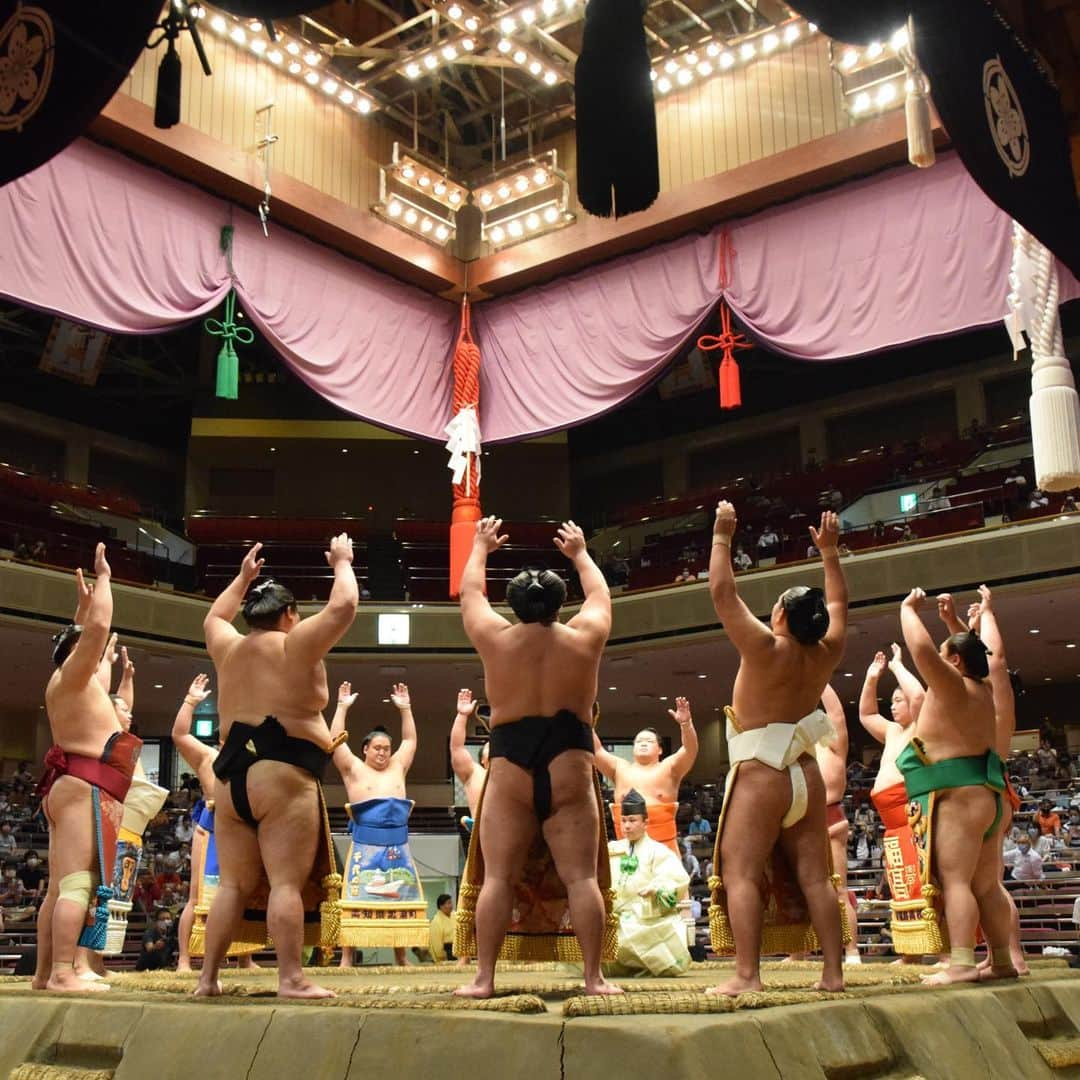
x,y
509,185
877,96
534,63
292,57
412,171
716,56
413,218
527,224
850,60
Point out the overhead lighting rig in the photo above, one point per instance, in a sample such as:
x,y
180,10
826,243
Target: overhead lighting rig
x,y
874,78
715,56
523,201
295,57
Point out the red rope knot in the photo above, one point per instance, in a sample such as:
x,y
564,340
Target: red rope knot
x,y
728,342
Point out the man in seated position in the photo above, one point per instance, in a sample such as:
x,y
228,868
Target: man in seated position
x,y
382,900
541,682
955,784
658,781
88,772
269,812
889,797
649,880
775,795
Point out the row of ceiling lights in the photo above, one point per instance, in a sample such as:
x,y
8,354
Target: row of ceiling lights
x,y
295,57
708,58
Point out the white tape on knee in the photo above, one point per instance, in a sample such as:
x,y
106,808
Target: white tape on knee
x,y
77,887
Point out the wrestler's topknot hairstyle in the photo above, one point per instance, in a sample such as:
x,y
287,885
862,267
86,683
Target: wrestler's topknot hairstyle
x,y
808,618
972,652
536,594
64,642
265,603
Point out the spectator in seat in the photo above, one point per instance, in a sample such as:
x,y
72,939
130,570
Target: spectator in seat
x,y
155,941
7,839
1025,863
768,543
1072,828
1069,505
12,890
699,826
1048,820
741,560
38,552
906,536
684,576
1038,500
365,592
23,774
35,878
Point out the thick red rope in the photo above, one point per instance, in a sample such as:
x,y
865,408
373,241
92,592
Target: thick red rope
x,y
466,508
728,342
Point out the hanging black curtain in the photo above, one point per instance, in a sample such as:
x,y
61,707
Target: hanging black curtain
x,y
1003,114
998,104
64,62
618,165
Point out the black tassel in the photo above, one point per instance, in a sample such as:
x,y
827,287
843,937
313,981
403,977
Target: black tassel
x,y
167,102
618,165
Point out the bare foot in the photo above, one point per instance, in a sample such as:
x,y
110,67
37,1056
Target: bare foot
x,y
38,984
70,983
478,988
734,986
248,964
207,988
601,986
831,983
302,988
992,974
1021,966
952,974
184,969
794,958
90,976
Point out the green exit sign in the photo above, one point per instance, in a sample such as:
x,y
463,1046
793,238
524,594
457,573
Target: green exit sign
x,y
204,728
908,501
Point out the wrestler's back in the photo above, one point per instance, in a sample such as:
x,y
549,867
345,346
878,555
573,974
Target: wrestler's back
x,y
655,783
257,678
534,670
959,725
81,717
781,685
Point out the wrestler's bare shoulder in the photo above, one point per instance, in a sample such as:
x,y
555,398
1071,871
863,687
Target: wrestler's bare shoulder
x,y
81,718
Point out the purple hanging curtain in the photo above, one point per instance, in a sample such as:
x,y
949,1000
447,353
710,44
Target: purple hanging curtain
x,y
896,258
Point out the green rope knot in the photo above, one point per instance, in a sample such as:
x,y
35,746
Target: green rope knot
x,y
228,364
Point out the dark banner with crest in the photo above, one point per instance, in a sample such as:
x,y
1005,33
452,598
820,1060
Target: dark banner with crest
x,y
60,63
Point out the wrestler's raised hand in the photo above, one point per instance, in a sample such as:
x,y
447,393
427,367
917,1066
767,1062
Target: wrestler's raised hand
x,y
985,599
946,608
101,564
110,655
466,704
974,614
897,654
340,550
85,591
345,695
252,564
826,536
914,599
725,521
487,534
399,695
199,688
128,663
681,713
877,666
571,540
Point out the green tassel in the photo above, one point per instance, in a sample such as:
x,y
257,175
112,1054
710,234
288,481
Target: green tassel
x,y
228,372
228,364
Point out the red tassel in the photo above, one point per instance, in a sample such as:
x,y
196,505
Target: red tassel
x,y
730,389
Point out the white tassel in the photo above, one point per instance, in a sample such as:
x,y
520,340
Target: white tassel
x,y
920,132
1054,405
